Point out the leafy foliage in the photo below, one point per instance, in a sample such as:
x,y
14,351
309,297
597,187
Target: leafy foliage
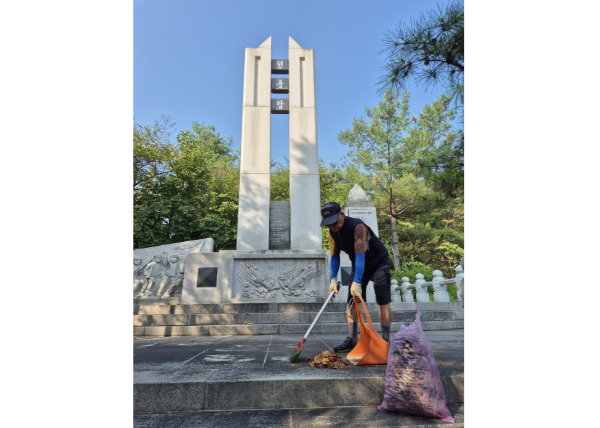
x,y
429,50
151,149
391,145
194,196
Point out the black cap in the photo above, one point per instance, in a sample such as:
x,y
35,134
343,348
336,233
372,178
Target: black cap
x,y
330,213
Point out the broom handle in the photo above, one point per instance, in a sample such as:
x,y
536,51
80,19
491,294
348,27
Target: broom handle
x,y
319,314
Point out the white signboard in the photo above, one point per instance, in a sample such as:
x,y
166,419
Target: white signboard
x,y
367,215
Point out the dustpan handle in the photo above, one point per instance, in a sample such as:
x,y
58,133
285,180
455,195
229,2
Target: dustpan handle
x,y
368,316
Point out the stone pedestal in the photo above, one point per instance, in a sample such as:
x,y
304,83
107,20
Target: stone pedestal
x,y
269,276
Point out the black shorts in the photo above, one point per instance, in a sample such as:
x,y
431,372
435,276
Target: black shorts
x,y
381,283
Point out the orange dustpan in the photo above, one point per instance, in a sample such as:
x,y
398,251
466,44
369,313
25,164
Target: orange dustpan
x,y
371,349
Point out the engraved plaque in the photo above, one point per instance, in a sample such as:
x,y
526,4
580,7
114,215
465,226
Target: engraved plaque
x,y
280,66
279,231
280,106
207,277
280,86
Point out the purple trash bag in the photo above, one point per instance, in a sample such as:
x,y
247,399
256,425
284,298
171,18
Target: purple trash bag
x,y
412,380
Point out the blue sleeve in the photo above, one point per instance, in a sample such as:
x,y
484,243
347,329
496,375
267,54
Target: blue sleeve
x,y
335,266
360,267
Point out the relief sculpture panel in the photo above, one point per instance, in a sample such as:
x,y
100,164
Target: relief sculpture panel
x,y
288,279
158,271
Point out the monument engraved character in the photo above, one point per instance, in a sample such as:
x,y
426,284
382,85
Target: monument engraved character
x,y
279,64
172,274
279,84
280,105
138,274
154,272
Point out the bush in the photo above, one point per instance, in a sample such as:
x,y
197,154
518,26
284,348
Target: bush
x,y
411,269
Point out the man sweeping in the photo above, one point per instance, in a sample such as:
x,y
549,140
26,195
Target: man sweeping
x,y
370,262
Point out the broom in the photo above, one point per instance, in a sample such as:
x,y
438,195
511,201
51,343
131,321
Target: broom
x,y
296,354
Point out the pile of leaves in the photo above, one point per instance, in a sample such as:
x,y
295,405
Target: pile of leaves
x,y
328,360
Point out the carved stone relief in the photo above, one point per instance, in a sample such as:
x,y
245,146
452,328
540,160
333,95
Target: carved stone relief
x,y
289,279
162,275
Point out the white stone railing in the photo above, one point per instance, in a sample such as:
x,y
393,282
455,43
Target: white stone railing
x,y
439,284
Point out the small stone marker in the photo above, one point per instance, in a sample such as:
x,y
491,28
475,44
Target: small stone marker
x,y
280,106
207,277
280,66
280,226
280,86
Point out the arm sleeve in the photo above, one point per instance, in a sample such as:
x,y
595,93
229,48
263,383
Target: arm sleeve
x,y
360,268
335,266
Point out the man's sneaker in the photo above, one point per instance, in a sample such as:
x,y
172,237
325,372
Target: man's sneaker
x,y
347,346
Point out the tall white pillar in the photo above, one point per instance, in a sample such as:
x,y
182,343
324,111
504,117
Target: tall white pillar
x,y
255,165
305,213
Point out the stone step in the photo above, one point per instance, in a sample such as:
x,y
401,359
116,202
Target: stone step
x,y
277,318
359,416
264,308
263,329
281,388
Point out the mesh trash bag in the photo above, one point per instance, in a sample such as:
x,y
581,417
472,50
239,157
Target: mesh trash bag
x,y
412,380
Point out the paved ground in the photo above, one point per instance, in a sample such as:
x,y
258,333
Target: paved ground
x,y
356,417
260,352
222,381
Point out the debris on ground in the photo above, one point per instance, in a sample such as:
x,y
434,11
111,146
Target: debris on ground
x,y
328,360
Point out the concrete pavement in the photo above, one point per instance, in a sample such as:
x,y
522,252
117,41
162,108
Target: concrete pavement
x,y
234,373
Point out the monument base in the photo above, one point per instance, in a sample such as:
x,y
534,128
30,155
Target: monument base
x,y
257,276
152,300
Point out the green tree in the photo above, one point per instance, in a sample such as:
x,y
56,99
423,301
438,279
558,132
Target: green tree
x,y
195,195
151,149
429,50
389,146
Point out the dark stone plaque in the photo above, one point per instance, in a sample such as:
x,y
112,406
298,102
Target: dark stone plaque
x,y
207,277
280,106
279,238
280,86
346,272
280,66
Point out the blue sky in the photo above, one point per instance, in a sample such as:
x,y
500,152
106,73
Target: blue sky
x,y
189,60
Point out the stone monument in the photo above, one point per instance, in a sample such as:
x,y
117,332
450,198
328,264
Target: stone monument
x,y
255,164
275,260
